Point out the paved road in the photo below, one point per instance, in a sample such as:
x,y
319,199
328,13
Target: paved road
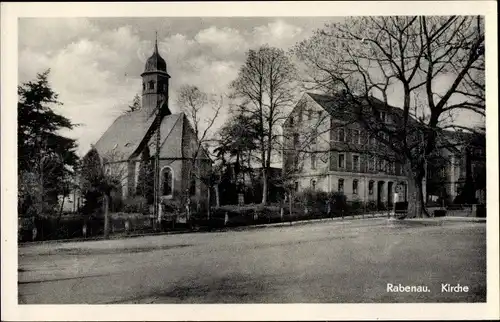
x,y
325,262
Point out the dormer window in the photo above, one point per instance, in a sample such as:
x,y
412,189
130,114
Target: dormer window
x,y
151,85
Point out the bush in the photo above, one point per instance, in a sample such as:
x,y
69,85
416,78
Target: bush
x,y
136,204
439,213
481,211
371,205
355,207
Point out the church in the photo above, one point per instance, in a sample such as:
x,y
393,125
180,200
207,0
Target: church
x,y
133,137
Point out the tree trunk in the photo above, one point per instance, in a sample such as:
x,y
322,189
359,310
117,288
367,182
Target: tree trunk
x,y
106,219
217,196
416,202
209,202
264,186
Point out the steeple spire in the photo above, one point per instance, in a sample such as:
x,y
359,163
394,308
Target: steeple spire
x,y
156,42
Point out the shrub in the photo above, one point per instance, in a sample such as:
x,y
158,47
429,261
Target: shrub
x,y
481,211
356,206
439,213
371,205
136,204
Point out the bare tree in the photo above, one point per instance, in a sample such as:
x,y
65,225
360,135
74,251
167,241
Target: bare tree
x,y
202,111
435,63
263,90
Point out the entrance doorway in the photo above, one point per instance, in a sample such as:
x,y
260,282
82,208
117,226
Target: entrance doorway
x,y
380,197
390,194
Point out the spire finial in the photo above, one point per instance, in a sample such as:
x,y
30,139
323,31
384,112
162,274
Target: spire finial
x,y
156,42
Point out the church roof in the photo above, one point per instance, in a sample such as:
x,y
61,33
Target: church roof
x,y
128,132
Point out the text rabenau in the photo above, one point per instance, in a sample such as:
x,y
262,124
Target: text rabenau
x,y
399,288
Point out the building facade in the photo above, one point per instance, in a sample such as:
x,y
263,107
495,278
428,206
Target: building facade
x,y
326,149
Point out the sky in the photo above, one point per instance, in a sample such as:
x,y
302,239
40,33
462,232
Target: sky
x,y
96,62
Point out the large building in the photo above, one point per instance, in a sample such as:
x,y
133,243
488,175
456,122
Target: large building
x,y
133,137
326,149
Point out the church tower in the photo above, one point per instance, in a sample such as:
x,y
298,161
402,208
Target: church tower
x,y
155,84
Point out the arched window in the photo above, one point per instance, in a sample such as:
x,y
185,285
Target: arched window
x,y
355,187
143,86
167,176
151,85
313,184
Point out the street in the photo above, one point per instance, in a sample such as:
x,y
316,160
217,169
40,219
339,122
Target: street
x,y
350,261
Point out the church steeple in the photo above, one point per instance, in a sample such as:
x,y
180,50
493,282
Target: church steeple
x,y
155,83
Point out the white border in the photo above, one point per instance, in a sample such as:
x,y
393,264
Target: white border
x,y
12,311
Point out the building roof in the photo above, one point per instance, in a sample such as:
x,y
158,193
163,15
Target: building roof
x,y
124,135
341,107
129,131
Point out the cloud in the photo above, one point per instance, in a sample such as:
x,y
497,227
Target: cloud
x,y
96,68
222,41
277,33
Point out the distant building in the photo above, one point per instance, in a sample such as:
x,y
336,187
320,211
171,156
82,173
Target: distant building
x,y
133,136
326,149
461,174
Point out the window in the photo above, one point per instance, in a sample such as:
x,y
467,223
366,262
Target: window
x,y
164,87
355,137
371,163
382,116
355,162
192,187
313,184
168,181
341,185
341,135
370,187
309,115
373,139
341,160
143,86
291,120
383,165
296,186
314,138
313,160
151,85
355,187
392,167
